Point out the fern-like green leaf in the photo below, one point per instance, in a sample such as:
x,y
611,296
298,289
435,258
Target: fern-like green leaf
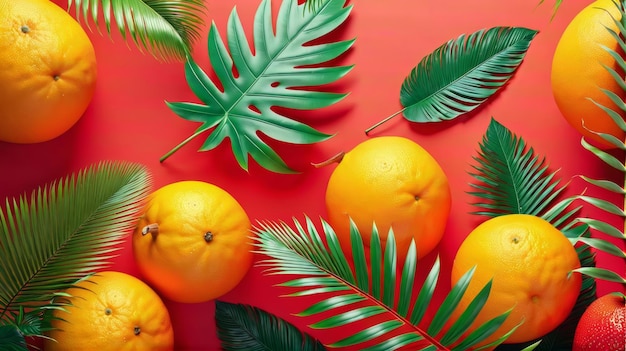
x,y
64,232
602,244
247,328
359,297
459,75
167,29
274,74
462,74
511,178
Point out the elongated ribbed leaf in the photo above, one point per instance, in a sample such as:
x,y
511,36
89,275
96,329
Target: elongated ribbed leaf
x,y
167,29
63,232
462,74
274,74
510,178
375,300
247,328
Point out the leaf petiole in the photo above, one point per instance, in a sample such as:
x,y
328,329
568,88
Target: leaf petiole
x,y
383,121
183,143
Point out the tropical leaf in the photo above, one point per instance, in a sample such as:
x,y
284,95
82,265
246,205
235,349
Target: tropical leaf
x,y
511,178
11,339
62,233
244,327
242,105
601,244
167,29
462,74
369,291
555,7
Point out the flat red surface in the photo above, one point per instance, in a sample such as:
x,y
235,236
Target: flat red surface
x,y
128,120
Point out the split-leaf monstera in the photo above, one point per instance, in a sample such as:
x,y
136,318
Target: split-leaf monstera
x,y
280,72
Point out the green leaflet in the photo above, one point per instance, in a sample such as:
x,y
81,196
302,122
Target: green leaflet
x,y
369,298
166,29
241,106
247,328
462,74
61,234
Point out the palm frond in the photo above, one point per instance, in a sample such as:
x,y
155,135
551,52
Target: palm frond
x,y
459,75
604,244
166,29
510,177
247,328
64,232
369,291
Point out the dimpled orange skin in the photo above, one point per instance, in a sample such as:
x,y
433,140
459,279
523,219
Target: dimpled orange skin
x,y
602,327
529,261
177,261
578,73
393,182
48,71
112,311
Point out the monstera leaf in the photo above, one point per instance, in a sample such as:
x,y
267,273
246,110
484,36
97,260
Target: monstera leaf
x,y
462,74
166,29
279,72
371,298
59,235
511,178
245,327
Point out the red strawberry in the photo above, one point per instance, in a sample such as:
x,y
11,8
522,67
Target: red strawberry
x,y
602,326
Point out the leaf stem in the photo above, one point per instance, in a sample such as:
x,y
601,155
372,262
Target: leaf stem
x,y
383,121
183,143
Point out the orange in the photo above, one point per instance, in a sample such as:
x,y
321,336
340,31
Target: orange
x,y
48,71
394,183
112,311
193,242
578,73
530,262
602,327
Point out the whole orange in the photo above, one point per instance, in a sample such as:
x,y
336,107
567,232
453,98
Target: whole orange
x,y
391,182
530,262
602,327
578,72
112,311
48,71
193,242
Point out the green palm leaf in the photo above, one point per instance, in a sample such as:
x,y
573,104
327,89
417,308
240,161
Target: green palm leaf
x,y
242,105
247,328
167,29
462,74
64,232
370,292
604,245
511,178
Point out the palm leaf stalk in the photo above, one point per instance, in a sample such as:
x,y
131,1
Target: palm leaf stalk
x,y
462,74
240,106
380,288
243,328
603,244
64,232
166,29
511,178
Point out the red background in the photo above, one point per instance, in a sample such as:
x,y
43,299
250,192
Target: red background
x,y
128,120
